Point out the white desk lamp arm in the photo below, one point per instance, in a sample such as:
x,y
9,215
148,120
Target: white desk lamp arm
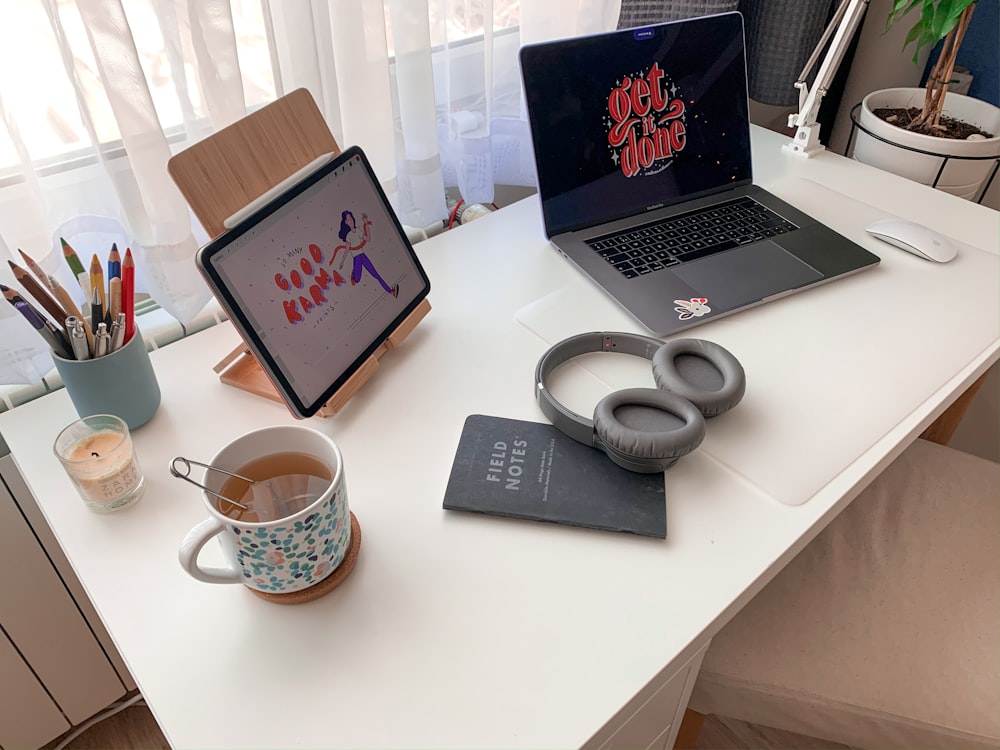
x,y
842,27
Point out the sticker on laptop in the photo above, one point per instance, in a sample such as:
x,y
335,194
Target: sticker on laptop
x,y
692,308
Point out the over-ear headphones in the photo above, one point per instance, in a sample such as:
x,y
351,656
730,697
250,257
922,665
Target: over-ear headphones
x,y
647,429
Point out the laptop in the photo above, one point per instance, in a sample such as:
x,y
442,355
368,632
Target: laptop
x,y
642,148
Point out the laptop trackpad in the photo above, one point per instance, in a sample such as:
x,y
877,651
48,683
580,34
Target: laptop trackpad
x,y
746,274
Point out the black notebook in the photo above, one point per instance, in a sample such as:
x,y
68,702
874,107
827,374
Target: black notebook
x,y
509,467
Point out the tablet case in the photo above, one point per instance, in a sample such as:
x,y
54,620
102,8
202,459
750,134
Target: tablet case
x,y
220,175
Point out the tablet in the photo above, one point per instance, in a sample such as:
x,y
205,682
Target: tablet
x,y
317,279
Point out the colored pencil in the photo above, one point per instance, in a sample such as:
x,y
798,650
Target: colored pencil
x,y
46,328
128,294
114,298
11,295
114,263
97,280
75,264
38,293
51,286
52,335
34,267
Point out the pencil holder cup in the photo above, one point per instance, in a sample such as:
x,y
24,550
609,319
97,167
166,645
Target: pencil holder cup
x,y
121,383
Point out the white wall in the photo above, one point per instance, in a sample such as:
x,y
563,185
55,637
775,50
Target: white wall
x,y
879,63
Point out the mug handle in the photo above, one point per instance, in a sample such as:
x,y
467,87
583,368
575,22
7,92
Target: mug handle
x,y
191,548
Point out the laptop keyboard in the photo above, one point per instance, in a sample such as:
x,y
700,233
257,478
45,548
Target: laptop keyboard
x,y
640,250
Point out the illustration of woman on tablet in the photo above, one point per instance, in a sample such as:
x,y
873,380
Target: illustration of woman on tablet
x,y
356,238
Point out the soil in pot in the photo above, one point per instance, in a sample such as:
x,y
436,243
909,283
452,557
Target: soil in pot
x,y
948,127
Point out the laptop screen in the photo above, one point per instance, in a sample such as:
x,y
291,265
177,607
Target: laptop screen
x,y
637,119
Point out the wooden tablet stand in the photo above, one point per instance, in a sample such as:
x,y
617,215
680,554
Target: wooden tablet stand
x,y
241,166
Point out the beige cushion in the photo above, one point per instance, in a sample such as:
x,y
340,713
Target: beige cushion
x,y
885,631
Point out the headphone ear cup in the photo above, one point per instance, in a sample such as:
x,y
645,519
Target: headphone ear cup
x,y
646,430
703,372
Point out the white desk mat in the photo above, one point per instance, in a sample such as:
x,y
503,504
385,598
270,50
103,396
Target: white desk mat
x,y
811,420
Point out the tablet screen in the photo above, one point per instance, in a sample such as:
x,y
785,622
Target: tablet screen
x,y
317,279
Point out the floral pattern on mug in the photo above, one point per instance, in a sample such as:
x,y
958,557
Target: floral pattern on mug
x,y
282,559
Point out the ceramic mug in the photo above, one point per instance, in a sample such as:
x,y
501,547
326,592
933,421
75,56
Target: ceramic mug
x,y
278,556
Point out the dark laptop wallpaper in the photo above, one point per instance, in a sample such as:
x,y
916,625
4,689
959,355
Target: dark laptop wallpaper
x,y
637,119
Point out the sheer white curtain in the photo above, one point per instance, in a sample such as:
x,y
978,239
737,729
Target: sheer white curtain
x,y
95,95
430,89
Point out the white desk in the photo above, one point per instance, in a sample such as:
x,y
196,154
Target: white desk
x,y
459,630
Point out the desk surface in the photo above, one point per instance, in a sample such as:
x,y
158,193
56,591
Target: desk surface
x,y
459,630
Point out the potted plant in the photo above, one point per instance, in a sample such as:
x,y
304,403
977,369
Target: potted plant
x,y
932,135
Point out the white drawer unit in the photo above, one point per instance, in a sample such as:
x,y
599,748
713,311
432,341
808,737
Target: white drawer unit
x,y
651,720
57,662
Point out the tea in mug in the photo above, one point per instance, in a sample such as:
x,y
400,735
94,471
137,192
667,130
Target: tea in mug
x,y
283,484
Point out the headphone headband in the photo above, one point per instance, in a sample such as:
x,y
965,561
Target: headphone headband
x,y
574,425
596,341
646,429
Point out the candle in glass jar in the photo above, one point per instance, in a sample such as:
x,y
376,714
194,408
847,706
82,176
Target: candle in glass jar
x,y
98,456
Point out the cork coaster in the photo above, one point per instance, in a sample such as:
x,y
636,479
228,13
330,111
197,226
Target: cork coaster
x,y
329,583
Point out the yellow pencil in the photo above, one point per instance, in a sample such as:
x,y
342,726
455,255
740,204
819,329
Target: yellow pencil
x,y
97,280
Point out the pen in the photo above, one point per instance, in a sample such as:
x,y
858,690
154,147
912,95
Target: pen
x,y
77,338
96,310
102,341
118,332
114,263
57,339
97,281
44,327
12,296
35,318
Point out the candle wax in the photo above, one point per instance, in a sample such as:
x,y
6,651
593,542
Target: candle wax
x,y
101,443
108,475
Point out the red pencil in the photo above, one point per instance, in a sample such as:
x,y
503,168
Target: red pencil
x,y
128,294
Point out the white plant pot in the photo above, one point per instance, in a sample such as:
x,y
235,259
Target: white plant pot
x,y
961,177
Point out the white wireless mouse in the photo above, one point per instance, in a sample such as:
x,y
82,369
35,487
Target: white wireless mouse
x,y
914,238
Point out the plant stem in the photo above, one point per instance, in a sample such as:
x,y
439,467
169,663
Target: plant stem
x,y
944,68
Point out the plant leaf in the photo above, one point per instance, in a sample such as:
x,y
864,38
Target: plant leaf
x,y
899,9
938,18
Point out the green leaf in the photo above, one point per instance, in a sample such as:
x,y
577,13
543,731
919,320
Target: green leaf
x,y
938,18
912,34
899,9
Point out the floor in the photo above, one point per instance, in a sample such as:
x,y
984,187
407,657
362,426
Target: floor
x,y
720,733
135,729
